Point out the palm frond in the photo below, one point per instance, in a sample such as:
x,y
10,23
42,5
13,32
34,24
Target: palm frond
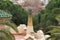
x,y
5,35
12,25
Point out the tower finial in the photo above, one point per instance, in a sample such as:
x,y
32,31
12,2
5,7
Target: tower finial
x,y
30,23
30,11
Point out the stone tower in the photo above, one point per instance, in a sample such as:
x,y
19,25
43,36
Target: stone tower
x,y
30,24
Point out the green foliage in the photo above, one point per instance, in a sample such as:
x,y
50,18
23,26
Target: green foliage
x,y
53,12
55,32
9,23
36,23
19,14
4,35
48,16
56,15
56,10
53,4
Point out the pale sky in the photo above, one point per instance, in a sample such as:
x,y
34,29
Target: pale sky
x,y
21,1
45,1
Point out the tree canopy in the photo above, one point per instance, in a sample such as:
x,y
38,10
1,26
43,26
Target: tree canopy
x,y
19,13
